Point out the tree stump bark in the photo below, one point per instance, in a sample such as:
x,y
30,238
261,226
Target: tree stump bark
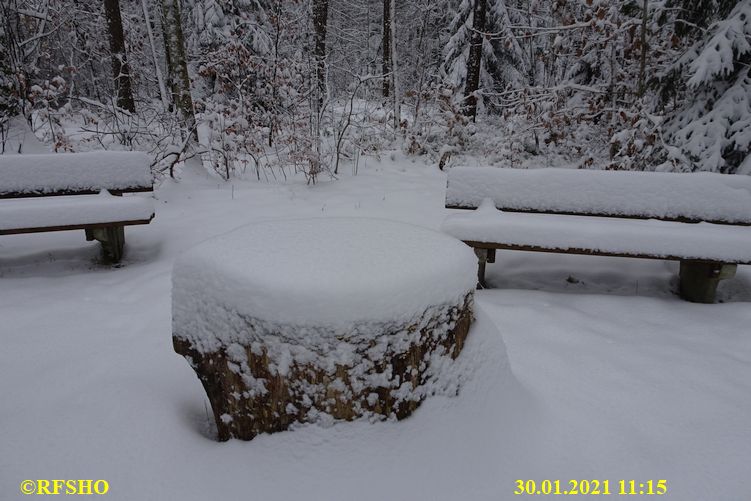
x,y
323,319
255,388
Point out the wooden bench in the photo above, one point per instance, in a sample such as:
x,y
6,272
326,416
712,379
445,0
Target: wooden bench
x,y
699,219
76,191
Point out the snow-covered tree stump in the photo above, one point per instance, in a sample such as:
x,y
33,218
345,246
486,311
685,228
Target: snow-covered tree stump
x,y
319,320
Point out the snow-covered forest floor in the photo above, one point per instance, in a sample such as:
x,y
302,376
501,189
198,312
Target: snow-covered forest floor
x,y
580,368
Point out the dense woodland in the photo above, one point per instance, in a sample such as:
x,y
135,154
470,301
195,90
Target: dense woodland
x,y
268,89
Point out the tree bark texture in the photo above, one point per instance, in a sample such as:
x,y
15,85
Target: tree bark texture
x,y
177,63
120,69
474,62
383,378
643,42
157,69
320,25
394,71
386,47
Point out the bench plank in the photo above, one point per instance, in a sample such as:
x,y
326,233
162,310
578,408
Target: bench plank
x,y
491,229
30,215
70,174
694,197
45,229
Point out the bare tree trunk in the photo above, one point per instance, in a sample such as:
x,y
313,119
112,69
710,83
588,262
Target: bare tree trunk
x,y
532,42
120,69
169,77
274,93
474,62
421,66
394,67
320,23
177,64
643,59
611,86
386,46
157,69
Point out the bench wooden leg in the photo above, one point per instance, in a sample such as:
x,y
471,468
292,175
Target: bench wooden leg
x,y
482,259
491,255
699,279
112,239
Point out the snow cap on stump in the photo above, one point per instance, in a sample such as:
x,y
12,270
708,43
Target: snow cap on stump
x,y
326,273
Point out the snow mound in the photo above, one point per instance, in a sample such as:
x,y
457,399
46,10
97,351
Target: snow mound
x,y
697,196
666,239
316,278
74,172
20,138
48,212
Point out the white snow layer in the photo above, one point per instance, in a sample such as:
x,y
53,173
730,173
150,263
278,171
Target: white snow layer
x,y
610,377
714,242
110,170
314,274
20,139
698,196
36,212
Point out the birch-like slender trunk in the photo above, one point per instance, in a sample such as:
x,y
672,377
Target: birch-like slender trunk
x,y
157,68
177,64
394,67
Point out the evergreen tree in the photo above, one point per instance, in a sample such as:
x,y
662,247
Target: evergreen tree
x,y
712,130
503,63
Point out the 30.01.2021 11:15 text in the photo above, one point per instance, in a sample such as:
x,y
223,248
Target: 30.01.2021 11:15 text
x,y
590,487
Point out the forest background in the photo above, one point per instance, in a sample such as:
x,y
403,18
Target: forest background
x,y
269,88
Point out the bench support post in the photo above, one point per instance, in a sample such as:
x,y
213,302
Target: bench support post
x,y
699,279
491,255
112,239
483,256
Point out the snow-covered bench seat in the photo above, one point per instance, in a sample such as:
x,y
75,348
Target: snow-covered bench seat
x,y
73,191
699,219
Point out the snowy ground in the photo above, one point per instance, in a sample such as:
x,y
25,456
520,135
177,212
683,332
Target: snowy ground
x,y
582,368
